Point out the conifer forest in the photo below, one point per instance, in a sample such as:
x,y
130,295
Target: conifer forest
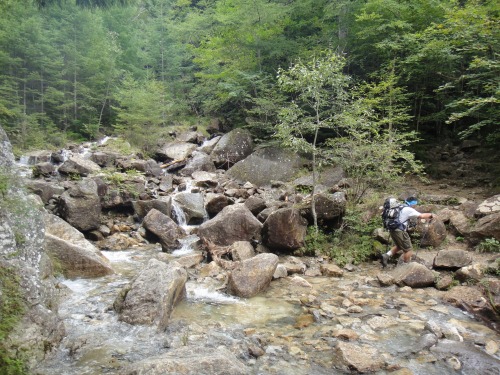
x,y
73,70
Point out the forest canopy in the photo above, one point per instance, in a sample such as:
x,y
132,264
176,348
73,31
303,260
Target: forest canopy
x,y
77,69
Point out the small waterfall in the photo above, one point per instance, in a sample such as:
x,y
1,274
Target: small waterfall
x,y
179,215
186,245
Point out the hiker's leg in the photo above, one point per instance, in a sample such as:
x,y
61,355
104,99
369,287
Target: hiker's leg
x,y
407,255
407,247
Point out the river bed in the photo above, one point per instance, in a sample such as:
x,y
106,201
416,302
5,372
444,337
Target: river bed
x,y
295,323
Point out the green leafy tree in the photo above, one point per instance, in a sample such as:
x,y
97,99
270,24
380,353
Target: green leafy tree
x,y
318,91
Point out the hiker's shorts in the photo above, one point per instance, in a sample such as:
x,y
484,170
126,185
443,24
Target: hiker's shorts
x,y
402,239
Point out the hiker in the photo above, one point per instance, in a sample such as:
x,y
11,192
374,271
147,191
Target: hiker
x,y
399,234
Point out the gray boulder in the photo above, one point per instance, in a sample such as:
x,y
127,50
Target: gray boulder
x,y
252,276
214,203
26,267
164,228
242,250
328,206
489,206
45,190
151,297
190,361
162,204
78,166
285,229
45,169
103,159
452,259
431,234
176,151
193,206
486,227
233,223
198,162
231,148
73,254
266,165
414,275
80,205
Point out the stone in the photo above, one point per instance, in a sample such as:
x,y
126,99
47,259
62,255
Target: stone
x,y
164,228
414,275
452,259
78,166
252,276
190,360
80,205
331,270
231,148
233,223
284,229
242,250
360,358
267,164
74,255
150,298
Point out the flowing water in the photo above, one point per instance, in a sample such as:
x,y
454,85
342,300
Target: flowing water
x,y
392,320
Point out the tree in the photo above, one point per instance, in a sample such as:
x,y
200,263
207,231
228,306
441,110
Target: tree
x,y
140,112
318,92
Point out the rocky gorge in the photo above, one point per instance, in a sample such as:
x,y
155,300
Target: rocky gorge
x,y
113,250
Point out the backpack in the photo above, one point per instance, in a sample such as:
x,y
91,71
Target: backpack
x,y
390,214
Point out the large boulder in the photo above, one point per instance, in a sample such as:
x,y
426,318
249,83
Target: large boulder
x,y
73,255
231,148
164,228
414,275
162,204
431,233
198,162
103,159
175,151
120,190
76,165
150,298
190,360
486,227
44,189
285,229
80,205
253,275
25,272
327,206
193,206
233,223
215,203
452,259
266,165
489,206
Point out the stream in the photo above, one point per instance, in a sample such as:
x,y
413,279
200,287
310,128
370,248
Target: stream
x,y
391,319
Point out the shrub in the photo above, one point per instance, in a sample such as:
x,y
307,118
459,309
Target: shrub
x,y
489,245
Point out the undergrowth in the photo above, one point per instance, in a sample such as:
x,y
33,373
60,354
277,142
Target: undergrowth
x,y
12,308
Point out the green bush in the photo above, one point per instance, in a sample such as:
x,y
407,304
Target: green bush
x,y
489,245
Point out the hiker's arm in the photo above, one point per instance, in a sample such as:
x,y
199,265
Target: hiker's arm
x,y
426,216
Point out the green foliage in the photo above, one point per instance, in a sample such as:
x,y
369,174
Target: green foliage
x,y
12,307
489,245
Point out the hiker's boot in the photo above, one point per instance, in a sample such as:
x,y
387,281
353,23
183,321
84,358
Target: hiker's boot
x,y
384,260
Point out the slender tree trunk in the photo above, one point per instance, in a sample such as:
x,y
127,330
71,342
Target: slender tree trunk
x,y
313,199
